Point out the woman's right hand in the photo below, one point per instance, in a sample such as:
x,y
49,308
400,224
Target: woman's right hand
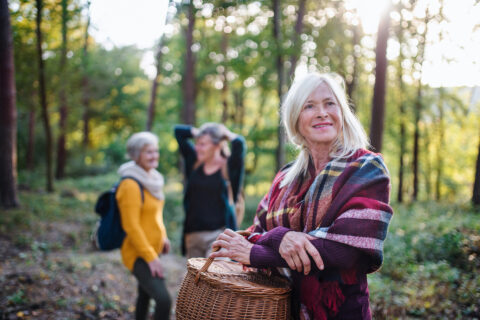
x,y
295,249
156,268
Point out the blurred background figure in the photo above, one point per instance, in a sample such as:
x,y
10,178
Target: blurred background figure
x,y
141,211
211,173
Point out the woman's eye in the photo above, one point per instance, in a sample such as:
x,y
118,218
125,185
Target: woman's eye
x,y
308,106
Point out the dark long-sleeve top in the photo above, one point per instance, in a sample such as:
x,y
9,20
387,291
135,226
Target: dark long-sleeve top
x,y
235,167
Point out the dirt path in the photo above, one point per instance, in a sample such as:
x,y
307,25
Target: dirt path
x,y
48,277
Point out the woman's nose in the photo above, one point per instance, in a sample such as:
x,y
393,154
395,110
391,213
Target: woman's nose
x,y
321,113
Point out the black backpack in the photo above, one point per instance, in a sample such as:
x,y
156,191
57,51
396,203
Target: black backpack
x,y
109,233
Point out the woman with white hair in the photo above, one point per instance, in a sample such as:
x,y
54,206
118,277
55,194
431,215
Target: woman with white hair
x,y
325,218
140,201
214,177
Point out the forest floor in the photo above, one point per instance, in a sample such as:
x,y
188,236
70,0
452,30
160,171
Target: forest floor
x,y
52,279
50,270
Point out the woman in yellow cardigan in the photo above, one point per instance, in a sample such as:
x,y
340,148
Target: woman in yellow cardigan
x,y
142,220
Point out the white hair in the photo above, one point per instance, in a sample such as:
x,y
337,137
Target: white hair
x,y
351,138
138,141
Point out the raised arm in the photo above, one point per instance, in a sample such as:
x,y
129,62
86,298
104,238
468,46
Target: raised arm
x,y
183,134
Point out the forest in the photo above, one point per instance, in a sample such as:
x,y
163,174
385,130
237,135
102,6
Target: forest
x,y
69,102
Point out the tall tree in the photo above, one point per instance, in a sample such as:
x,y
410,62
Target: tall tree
x,y
297,48
224,46
31,139
402,137
476,184
61,150
43,98
158,63
352,82
189,90
418,105
277,35
379,90
85,84
153,95
8,113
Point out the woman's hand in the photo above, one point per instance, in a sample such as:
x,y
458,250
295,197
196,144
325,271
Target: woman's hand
x,y
156,268
166,246
295,249
233,246
194,131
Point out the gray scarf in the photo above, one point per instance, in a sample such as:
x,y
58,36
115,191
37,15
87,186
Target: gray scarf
x,y
151,180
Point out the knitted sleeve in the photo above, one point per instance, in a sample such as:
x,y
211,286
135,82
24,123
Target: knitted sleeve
x,y
129,202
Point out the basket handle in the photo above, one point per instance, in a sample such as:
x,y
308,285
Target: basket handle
x,y
210,260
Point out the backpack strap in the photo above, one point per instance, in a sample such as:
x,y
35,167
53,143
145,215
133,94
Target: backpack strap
x,y
137,181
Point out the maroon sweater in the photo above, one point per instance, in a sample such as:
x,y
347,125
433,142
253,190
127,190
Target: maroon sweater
x,y
265,254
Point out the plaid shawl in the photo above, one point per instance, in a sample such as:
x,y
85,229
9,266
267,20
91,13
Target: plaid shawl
x,y
347,203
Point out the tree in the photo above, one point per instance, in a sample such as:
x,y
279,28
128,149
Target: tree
x,y
8,113
189,90
277,35
43,98
420,58
85,84
297,48
402,137
379,90
158,63
61,150
476,184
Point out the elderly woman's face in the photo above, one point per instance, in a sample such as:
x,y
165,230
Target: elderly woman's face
x,y
320,119
205,148
148,158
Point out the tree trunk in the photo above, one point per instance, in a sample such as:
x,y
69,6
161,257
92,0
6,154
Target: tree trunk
x,y
428,163
402,117
416,138
153,95
352,84
277,34
61,150
189,90
476,184
85,85
418,107
239,116
43,99
224,47
402,152
8,113
296,39
31,140
441,143
379,90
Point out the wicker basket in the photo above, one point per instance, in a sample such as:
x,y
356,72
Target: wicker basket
x,y
226,291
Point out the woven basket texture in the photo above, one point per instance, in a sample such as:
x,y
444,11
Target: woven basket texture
x,y
226,291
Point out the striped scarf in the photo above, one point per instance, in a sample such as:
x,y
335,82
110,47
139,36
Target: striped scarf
x,y
347,203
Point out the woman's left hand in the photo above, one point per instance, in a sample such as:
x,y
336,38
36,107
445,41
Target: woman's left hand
x,y
233,246
296,248
166,246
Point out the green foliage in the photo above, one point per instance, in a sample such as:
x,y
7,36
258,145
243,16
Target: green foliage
x,y
430,264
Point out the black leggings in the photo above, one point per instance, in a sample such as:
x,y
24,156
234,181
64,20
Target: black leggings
x,y
150,287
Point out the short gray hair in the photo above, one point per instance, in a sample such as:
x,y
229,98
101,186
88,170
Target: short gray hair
x,y
138,141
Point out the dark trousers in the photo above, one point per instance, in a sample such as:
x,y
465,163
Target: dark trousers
x,y
150,287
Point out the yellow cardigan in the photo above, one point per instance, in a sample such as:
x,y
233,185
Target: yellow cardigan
x,y
143,223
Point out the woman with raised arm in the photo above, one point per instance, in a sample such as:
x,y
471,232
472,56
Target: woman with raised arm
x,y
325,218
211,173
140,201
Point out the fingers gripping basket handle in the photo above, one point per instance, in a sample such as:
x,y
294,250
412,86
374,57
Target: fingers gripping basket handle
x,y
210,260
